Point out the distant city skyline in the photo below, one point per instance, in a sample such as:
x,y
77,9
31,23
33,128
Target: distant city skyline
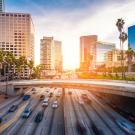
x,y
67,20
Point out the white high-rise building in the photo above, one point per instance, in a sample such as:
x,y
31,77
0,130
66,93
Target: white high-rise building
x,y
50,56
2,6
17,34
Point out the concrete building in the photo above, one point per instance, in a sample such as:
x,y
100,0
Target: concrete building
x,y
113,58
88,52
17,34
47,56
2,6
101,49
50,56
131,37
58,56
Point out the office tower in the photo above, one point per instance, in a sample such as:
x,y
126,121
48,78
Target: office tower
x,y
58,55
2,6
113,58
17,34
88,52
47,55
131,37
101,49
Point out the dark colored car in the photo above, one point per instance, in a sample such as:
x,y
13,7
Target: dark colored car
x,y
70,92
0,119
50,94
42,97
13,108
39,117
26,97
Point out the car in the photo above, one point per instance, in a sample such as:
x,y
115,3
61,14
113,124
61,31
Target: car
x,y
70,92
39,116
27,112
26,97
126,126
42,97
50,94
84,96
0,119
45,102
33,89
55,104
13,108
131,117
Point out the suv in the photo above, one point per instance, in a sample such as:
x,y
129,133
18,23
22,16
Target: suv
x,y
39,116
13,108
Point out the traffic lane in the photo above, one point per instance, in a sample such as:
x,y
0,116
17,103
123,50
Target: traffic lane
x,y
30,125
96,119
82,116
69,127
113,113
107,118
72,114
58,127
8,103
43,126
15,128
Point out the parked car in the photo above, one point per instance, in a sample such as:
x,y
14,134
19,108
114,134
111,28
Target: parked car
x,y
13,108
39,116
55,104
126,126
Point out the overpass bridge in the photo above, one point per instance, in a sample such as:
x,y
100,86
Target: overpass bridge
x,y
111,87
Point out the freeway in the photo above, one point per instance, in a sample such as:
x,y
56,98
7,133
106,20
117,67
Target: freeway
x,y
67,112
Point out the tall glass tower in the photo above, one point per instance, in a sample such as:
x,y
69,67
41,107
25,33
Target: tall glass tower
x,y
131,37
2,6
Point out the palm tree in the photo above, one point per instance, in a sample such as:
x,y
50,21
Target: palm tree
x,y
123,37
2,57
23,62
130,54
31,66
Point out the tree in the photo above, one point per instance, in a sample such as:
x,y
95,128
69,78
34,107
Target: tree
x,y
130,54
31,66
123,37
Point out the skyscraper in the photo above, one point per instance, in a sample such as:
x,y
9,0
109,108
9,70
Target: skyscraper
x,y
2,6
131,37
88,52
47,55
17,34
50,55
58,55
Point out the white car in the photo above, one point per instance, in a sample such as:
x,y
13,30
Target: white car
x,y
45,102
55,104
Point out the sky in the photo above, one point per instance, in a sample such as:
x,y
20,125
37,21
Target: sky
x,y
67,20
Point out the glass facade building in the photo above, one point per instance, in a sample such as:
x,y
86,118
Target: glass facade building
x,y
101,49
131,37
